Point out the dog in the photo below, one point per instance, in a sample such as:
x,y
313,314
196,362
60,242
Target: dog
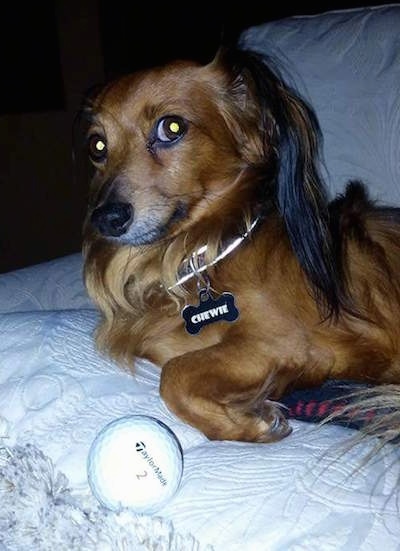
x,y
211,248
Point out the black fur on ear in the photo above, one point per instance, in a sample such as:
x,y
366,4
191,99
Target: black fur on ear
x,y
291,132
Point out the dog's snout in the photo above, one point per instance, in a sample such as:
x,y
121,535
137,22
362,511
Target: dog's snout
x,y
112,219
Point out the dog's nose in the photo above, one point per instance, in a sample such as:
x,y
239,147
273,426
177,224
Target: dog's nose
x,y
112,218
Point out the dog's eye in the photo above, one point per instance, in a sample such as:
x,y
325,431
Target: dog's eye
x,y
97,148
169,129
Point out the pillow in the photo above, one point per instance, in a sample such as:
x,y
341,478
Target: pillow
x,y
54,285
347,65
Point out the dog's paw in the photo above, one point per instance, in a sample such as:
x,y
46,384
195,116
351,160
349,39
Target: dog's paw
x,y
273,425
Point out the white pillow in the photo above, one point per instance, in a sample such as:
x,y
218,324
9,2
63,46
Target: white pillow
x,y
347,65
54,285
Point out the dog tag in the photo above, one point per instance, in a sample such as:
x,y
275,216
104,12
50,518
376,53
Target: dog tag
x,y
209,311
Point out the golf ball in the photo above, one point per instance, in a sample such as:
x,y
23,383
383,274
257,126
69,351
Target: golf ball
x,y
135,461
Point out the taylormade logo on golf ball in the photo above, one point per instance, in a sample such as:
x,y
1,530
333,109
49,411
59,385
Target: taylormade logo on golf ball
x,y
141,448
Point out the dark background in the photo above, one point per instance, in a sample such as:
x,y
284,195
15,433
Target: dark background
x,y
51,53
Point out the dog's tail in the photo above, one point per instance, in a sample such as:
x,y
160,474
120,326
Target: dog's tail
x,y
375,411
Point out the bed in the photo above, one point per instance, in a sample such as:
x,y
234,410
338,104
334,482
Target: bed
x,y
310,491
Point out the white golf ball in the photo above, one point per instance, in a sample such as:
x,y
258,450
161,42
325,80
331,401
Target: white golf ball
x,y
135,461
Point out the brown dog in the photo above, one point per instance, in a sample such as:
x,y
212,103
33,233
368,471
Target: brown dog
x,y
226,156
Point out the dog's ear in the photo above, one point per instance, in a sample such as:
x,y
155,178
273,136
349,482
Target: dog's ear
x,y
289,137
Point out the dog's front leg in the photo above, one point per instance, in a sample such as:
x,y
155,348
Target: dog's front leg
x,y
225,390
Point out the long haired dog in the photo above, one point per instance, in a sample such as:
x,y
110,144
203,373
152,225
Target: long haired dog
x,y
207,194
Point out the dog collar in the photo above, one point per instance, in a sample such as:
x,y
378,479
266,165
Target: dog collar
x,y
192,267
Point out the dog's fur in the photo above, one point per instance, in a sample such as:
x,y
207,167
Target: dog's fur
x,y
317,285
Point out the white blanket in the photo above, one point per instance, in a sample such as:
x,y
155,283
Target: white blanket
x,y
57,392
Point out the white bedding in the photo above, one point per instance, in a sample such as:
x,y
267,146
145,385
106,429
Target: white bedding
x,y
56,392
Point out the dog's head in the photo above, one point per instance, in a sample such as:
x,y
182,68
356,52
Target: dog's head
x,y
166,152
185,147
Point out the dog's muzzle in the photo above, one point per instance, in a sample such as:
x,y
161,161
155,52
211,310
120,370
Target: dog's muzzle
x,y
112,219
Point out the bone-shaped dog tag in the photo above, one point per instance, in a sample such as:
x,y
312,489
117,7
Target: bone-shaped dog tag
x,y
209,311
